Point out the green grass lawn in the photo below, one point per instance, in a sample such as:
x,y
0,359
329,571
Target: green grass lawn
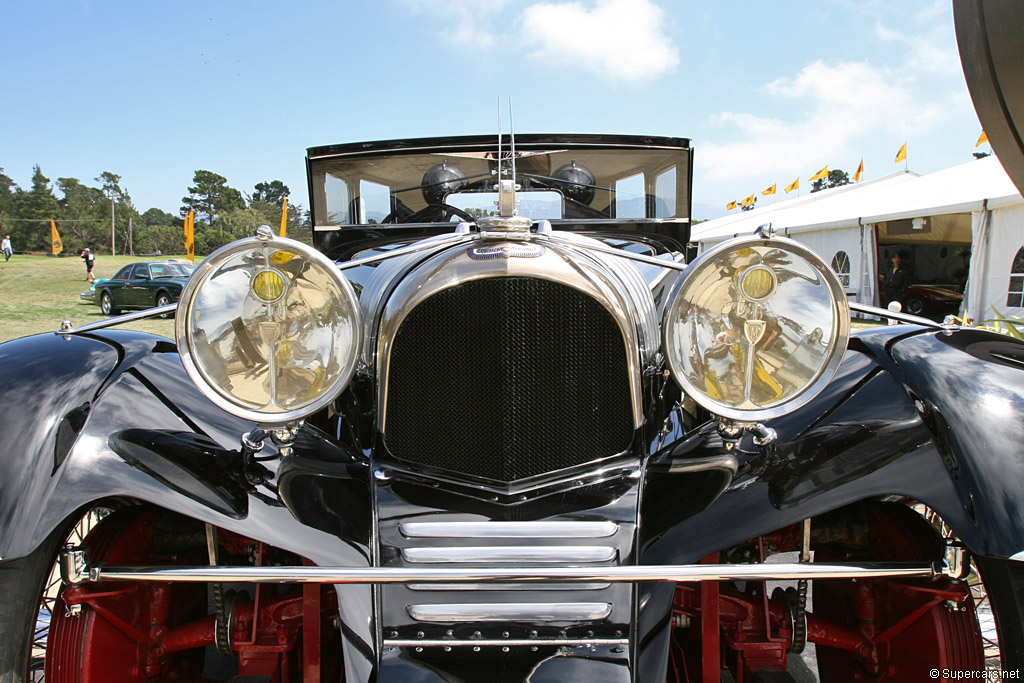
x,y
38,292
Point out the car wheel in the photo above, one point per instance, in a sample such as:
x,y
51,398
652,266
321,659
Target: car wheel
x,y
107,304
44,639
162,299
914,305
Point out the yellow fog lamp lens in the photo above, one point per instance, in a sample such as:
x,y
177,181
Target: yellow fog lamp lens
x,y
268,285
756,328
757,283
269,329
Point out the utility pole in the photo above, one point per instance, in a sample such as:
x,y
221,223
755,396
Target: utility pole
x,y
112,252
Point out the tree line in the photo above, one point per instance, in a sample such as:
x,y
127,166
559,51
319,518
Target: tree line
x,y
83,215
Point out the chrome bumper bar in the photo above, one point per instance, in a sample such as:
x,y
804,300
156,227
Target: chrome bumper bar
x,y
75,569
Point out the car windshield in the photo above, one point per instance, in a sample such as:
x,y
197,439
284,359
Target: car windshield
x,y
623,183
171,269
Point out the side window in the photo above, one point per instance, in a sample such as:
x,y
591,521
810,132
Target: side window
x,y
665,194
1015,295
336,192
375,202
123,274
140,271
629,197
841,264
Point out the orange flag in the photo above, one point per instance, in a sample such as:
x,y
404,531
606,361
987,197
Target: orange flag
x,y
190,235
730,206
820,175
56,246
795,185
748,201
770,190
981,140
860,169
284,218
901,155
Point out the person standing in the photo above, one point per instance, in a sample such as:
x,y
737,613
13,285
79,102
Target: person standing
x,y
895,280
90,260
6,246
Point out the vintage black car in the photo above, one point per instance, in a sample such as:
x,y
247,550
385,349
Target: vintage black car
x,y
140,285
494,427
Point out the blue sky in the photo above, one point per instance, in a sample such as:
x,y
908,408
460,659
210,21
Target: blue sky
x,y
767,92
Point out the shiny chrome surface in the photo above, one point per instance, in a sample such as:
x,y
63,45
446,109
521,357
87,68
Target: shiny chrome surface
x,y
509,586
76,569
118,320
896,315
512,611
508,529
508,642
627,300
269,359
756,328
509,554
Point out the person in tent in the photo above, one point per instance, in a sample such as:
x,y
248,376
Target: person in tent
x,y
895,282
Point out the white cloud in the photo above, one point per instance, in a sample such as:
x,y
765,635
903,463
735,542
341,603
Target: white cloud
x,y
843,102
618,39
472,20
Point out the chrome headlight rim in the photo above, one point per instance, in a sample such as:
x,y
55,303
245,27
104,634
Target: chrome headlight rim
x,y
187,351
840,311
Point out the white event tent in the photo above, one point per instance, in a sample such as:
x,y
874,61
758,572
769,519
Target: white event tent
x,y
961,225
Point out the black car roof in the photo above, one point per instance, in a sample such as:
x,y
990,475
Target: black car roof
x,y
471,142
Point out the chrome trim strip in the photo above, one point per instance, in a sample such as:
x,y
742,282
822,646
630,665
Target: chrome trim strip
x,y
508,642
505,611
900,315
461,234
508,529
621,253
120,319
509,586
520,554
77,570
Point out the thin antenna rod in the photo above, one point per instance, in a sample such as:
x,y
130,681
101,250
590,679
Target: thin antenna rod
x,y
512,137
499,136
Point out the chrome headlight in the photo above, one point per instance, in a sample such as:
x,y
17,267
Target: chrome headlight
x,y
756,328
269,329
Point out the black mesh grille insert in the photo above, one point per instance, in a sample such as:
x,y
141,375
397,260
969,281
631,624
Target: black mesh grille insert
x,y
507,378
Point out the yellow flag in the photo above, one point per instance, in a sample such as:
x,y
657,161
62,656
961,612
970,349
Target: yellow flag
x,y
795,185
981,140
748,201
820,175
284,218
730,206
190,235
860,169
770,190
901,155
56,246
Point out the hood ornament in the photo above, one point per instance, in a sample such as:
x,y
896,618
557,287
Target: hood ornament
x,y
508,219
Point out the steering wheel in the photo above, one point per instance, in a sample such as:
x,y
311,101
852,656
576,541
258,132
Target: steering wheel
x,y
427,214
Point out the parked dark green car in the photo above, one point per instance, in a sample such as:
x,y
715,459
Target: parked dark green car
x,y
141,285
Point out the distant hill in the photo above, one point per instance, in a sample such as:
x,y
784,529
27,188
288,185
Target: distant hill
x,y
705,212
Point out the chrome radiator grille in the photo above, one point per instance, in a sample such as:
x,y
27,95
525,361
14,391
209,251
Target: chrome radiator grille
x,y
507,378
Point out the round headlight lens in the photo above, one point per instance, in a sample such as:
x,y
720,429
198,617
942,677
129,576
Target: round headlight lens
x,y
756,328
269,329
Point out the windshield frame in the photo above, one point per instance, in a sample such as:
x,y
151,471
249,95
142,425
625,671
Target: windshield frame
x,y
474,148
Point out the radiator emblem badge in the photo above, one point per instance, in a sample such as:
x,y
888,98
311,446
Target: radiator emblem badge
x,y
506,251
